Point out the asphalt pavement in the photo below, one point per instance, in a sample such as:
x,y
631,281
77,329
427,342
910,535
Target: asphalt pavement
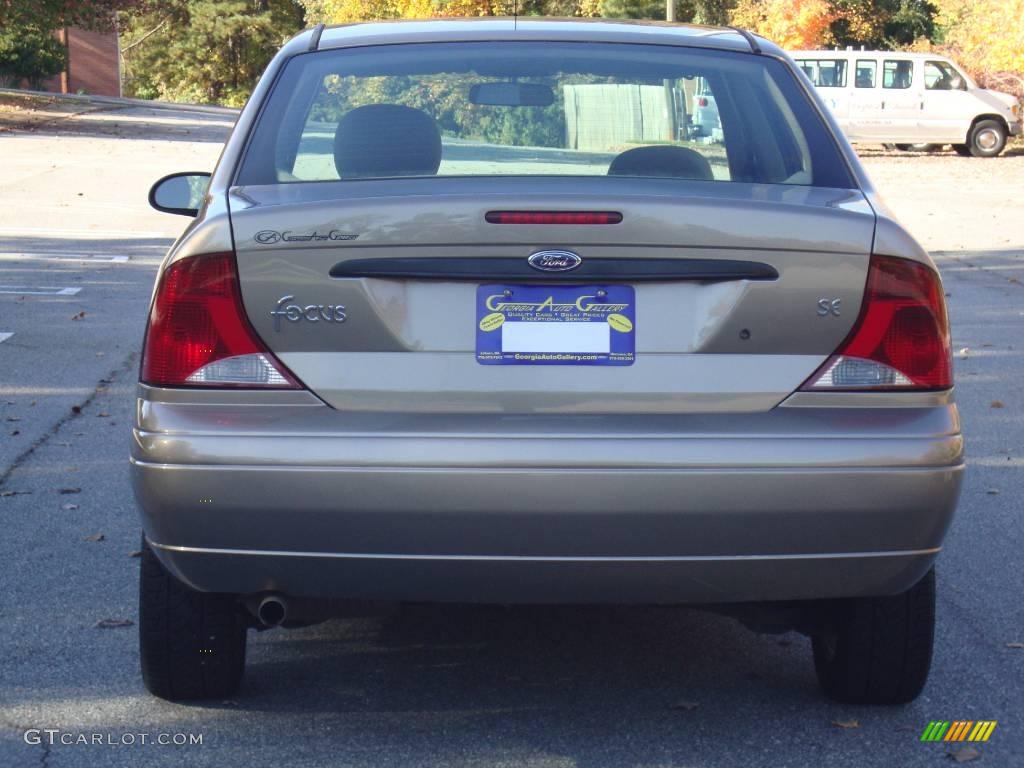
x,y
422,686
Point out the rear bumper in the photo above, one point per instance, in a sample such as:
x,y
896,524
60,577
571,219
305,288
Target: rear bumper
x,y
796,503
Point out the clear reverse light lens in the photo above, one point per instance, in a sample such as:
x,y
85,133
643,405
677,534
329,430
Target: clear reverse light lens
x,y
243,370
855,372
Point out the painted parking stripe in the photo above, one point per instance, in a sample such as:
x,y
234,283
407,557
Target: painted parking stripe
x,y
15,290
11,256
5,335
102,234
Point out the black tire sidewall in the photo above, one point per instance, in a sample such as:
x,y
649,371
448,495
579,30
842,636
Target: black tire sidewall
x,y
877,650
178,626
984,125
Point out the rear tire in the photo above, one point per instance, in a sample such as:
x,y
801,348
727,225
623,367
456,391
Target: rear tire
x,y
877,650
987,138
191,644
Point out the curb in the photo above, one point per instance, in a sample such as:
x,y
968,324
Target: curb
x,y
206,109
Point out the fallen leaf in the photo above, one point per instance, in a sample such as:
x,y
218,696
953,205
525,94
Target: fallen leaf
x,y
135,553
114,623
685,705
79,316
965,755
992,491
102,415
1015,645
66,491
13,418
996,404
15,433
15,493
69,507
76,409
846,724
96,537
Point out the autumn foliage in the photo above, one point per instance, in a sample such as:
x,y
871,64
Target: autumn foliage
x,y
793,24
987,38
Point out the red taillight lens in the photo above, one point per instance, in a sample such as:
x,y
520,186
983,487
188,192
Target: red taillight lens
x,y
553,217
702,102
198,334
900,339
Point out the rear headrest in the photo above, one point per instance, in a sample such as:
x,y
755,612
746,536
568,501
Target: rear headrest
x,y
386,140
674,162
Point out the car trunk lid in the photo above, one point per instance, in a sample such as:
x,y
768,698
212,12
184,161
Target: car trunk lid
x,y
763,282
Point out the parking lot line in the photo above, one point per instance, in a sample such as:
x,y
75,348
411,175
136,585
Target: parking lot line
x,y
101,234
17,290
20,255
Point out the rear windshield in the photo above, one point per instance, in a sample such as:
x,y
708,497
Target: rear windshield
x,y
528,108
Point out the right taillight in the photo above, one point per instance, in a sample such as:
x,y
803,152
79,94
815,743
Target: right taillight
x,y
901,338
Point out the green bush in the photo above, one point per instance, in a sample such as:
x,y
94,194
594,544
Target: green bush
x,y
29,54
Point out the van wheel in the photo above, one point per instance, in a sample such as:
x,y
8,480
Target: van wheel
x,y
962,149
191,644
877,650
987,138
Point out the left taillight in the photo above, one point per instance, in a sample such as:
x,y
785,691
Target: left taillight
x,y
199,336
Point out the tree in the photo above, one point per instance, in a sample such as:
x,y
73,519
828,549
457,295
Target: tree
x,y
336,11
29,51
633,9
710,12
792,24
883,24
29,54
54,14
987,38
204,50
987,35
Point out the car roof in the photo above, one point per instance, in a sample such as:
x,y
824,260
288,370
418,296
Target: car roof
x,y
562,30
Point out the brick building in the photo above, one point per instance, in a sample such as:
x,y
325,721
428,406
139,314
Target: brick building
x,y
93,63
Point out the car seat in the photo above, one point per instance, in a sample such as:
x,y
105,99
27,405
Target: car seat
x,y
386,140
673,162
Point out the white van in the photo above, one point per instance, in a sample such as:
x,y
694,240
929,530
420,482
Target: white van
x,y
911,98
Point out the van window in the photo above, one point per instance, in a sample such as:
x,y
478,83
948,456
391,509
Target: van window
x,y
941,76
546,109
867,72
897,74
825,73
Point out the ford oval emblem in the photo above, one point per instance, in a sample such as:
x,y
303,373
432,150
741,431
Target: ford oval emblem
x,y
554,261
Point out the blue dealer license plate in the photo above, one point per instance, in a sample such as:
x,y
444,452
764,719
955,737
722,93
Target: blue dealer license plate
x,y
555,325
